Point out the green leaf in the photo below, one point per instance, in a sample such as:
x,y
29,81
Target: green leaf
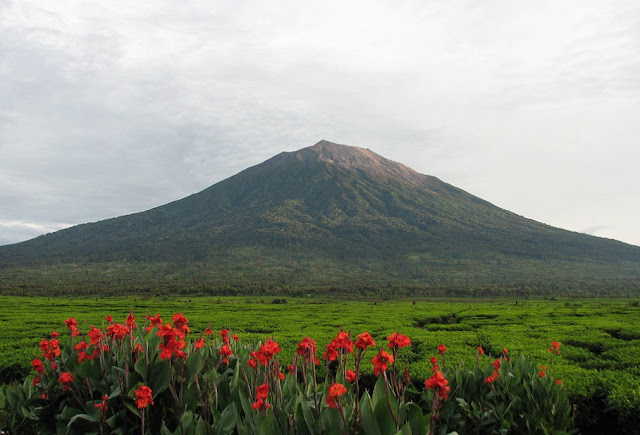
x,y
86,417
140,367
228,419
159,377
193,366
309,418
369,423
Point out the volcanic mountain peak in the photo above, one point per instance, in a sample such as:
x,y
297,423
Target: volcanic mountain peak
x,y
356,158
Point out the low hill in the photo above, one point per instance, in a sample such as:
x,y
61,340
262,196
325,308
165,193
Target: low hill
x,y
329,218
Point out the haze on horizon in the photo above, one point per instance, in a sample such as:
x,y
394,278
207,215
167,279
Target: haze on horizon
x,y
111,109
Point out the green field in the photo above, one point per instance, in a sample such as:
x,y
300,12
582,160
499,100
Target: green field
x,y
600,361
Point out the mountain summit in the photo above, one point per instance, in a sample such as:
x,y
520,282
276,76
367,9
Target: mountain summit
x,y
324,217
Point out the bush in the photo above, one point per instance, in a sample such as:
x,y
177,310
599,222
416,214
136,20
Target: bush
x,y
134,378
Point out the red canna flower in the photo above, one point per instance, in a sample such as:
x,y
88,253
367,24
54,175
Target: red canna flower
x,y
365,341
334,393
65,379
235,337
72,325
307,349
492,378
225,351
350,375
208,331
480,350
54,334
555,347
199,344
398,341
95,335
130,321
439,383
143,397
262,391
381,361
442,349
496,365
109,318
291,369
37,365
331,353
180,322
154,321
434,363
225,335
102,406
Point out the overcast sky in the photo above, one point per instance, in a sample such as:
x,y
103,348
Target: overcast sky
x,y
109,108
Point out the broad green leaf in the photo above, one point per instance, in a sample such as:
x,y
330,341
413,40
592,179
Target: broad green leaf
x,y
228,419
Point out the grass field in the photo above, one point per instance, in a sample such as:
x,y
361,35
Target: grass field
x,y
600,361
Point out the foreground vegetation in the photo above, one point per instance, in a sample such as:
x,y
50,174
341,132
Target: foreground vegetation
x,y
128,378
598,364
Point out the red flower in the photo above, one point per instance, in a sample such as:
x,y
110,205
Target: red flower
x,y
291,369
54,334
381,361
109,318
199,344
350,375
439,384
492,378
130,320
307,349
496,365
118,331
480,350
180,322
225,335
555,347
72,325
365,341
331,353
225,351
235,337
95,335
434,363
505,352
262,391
65,379
102,406
208,331
143,397
37,365
138,348
155,321
335,391
398,340
442,349
266,352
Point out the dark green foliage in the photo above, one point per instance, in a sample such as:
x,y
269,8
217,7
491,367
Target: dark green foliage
x,y
325,219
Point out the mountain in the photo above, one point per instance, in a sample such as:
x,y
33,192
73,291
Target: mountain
x,y
325,218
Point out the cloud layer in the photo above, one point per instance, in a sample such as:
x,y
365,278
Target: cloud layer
x,y
109,109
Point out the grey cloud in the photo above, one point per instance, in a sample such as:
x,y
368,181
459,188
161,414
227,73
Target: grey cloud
x,y
114,108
